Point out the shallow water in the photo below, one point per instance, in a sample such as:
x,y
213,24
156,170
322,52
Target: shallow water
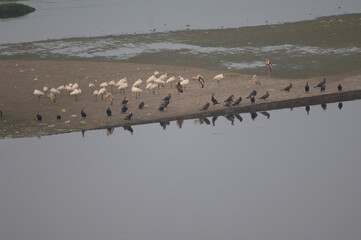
x,y
289,176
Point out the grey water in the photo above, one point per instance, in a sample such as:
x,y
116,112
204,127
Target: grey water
x,y
282,175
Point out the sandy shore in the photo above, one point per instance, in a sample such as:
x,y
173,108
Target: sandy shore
x,y
20,78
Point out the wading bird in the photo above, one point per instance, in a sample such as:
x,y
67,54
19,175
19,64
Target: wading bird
x,y
218,78
137,91
38,93
256,81
129,116
288,87
201,82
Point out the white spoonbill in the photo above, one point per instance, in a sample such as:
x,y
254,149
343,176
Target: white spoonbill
x,y
137,83
151,79
92,86
171,80
95,94
218,78
102,91
123,86
156,73
136,91
103,85
111,84
61,88
153,87
184,83
45,89
38,93
76,92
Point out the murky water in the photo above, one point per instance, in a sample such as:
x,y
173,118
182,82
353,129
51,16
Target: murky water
x,y
283,175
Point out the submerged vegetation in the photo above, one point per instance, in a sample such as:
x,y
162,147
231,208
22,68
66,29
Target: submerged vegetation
x,y
11,10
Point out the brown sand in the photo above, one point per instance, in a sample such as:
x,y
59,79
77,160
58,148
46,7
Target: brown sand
x,y
20,106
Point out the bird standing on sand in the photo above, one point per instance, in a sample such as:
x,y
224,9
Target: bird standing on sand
x,y
237,102
129,116
323,87
288,87
265,96
167,98
58,117
125,100
339,87
141,105
201,81
205,107
218,78
39,117
268,65
83,114
214,100
256,81
38,93
307,87
230,98
179,87
253,99
170,80
137,91
124,108
320,84
252,94
109,112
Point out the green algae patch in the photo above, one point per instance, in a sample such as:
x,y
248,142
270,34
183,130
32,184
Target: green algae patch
x,y
12,10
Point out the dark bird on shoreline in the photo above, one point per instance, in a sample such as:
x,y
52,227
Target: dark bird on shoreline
x,y
339,87
267,114
141,105
308,109
109,112
265,96
165,103
323,87
214,119
205,107
230,98
288,87
129,116
307,87
124,108
179,87
83,114
340,105
125,100
58,117
253,116
228,104
39,117
252,94
239,117
161,108
320,84
237,102
214,100
253,99
167,98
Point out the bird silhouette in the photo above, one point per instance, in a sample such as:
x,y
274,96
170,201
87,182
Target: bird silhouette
x,y
265,96
125,100
237,102
339,87
288,87
321,83
228,104
205,107
129,128
253,99
230,118
308,109
230,98
323,87
129,116
252,94
167,98
324,106
265,113
340,105
83,114
141,105
179,87
214,119
206,121
180,123
238,117
109,112
124,108
307,87
253,116
214,100
39,117
58,117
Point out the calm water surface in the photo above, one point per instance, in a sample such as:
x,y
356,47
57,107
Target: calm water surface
x,y
289,176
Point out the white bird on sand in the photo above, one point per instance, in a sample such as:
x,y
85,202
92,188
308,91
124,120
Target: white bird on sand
x,y
163,77
123,80
156,73
92,86
38,93
75,86
111,84
184,83
76,92
60,88
102,91
103,85
218,78
136,91
158,81
52,96
68,88
151,79
256,81
55,91
170,80
137,83
122,87
95,94
181,78
45,89
153,87
148,86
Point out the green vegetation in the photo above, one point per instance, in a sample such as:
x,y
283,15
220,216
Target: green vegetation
x,y
10,10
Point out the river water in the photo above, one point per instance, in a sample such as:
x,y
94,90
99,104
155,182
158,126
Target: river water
x,y
287,176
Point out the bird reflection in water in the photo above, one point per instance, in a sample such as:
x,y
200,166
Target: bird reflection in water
x,y
180,123
214,119
308,109
164,124
340,105
324,106
200,121
253,116
83,133
238,117
205,120
110,131
265,113
129,128
230,118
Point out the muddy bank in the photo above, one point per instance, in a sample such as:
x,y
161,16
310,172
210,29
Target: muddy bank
x,y
19,105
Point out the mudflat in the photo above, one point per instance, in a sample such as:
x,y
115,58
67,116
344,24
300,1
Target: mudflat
x,y
20,78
